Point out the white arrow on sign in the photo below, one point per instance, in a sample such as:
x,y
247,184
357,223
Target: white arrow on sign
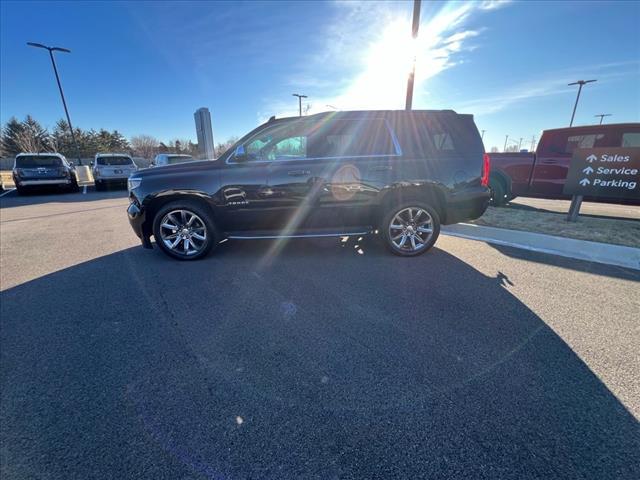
x,y
584,181
591,158
587,170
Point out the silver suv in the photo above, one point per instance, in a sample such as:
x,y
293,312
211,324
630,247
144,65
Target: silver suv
x,y
112,168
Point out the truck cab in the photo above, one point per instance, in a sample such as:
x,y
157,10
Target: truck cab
x,y
543,173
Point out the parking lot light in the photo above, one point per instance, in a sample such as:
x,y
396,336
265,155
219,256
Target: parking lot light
x,y
64,103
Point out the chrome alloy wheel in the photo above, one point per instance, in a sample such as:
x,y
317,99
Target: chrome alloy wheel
x,y
183,232
410,229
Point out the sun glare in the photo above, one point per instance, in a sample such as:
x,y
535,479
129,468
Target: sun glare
x,y
388,58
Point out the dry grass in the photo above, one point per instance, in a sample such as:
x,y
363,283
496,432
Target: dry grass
x,y
605,230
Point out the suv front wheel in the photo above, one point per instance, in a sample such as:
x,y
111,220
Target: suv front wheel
x,y
184,230
410,229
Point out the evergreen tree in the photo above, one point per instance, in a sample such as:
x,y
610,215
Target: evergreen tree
x,y
61,140
11,131
33,137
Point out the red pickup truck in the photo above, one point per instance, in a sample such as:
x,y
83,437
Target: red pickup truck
x,y
543,173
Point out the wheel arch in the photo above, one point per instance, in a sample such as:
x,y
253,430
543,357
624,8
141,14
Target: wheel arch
x,y
428,193
154,204
503,178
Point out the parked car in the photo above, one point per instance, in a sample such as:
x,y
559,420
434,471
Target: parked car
x,y
32,170
112,168
170,158
401,173
543,173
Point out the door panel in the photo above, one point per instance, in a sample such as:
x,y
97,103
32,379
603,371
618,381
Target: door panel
x,y
243,196
330,194
552,165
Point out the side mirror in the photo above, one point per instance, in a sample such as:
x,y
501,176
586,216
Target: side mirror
x,y
71,164
91,163
239,154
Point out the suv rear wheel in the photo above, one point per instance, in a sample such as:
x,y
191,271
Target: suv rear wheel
x,y
411,228
184,230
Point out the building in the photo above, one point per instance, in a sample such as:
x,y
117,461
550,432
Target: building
x,y
204,132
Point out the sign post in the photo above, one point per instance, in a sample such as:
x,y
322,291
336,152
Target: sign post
x,y
602,173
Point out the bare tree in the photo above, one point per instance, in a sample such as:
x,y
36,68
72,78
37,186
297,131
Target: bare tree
x,y
223,147
494,150
144,145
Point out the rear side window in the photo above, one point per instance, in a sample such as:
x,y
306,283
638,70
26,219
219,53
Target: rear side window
x,y
564,143
631,139
583,141
351,138
114,161
32,161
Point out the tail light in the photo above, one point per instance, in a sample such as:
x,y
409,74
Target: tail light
x,y
486,167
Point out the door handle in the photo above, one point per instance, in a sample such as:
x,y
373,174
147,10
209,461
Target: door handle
x,y
299,173
381,168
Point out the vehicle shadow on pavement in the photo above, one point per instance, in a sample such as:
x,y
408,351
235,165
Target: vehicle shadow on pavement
x,y
320,359
12,199
569,263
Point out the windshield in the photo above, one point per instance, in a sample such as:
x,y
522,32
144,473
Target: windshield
x,y
114,161
179,158
33,161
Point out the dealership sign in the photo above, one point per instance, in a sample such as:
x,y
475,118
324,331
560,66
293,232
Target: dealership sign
x,y
605,173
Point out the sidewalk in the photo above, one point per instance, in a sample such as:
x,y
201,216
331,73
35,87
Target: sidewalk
x,y
621,256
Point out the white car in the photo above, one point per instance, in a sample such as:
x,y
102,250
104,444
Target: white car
x,y
111,168
170,158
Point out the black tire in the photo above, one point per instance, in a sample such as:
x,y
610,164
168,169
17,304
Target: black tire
x,y
74,187
212,236
390,215
99,185
21,190
498,193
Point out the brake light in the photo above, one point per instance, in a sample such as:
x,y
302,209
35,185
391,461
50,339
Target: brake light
x,y
486,167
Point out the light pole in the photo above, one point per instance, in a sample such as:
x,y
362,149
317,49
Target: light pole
x,y
602,115
414,34
64,103
300,97
482,136
506,139
580,83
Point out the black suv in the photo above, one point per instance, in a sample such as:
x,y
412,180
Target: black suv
x,y
397,173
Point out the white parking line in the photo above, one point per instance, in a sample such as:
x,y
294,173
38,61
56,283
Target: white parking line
x,y
84,190
8,191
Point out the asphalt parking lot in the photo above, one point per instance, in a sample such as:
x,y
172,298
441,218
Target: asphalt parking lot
x,y
306,359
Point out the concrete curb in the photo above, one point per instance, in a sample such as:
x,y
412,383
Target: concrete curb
x,y
617,255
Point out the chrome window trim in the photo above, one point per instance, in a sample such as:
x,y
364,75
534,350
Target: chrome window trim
x,y
394,139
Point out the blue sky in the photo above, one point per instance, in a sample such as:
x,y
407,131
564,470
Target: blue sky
x,y
146,67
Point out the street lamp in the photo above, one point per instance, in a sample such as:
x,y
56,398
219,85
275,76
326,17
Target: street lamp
x,y
64,103
414,34
300,97
602,115
580,83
